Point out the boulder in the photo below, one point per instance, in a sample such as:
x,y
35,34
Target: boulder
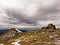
x,y
51,26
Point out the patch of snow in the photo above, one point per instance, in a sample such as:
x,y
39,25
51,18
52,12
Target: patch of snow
x,y
18,30
16,42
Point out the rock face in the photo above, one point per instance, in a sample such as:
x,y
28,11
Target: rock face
x,y
9,34
50,26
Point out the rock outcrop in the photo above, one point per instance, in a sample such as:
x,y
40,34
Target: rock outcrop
x,y
50,26
9,34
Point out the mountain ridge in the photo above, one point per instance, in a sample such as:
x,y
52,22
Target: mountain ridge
x,y
43,36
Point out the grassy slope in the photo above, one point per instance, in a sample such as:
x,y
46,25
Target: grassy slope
x,y
37,37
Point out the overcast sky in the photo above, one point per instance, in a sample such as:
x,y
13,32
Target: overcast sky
x,y
29,13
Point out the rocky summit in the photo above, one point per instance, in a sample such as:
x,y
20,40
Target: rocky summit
x,y
47,35
50,26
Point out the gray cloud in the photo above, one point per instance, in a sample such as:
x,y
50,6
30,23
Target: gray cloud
x,y
33,15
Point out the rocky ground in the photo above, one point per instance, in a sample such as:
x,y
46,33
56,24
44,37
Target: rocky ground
x,y
49,35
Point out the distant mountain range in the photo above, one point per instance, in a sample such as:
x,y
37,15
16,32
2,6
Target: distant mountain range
x,y
3,30
22,29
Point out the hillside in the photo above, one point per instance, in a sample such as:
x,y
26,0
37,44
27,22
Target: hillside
x,y
49,35
10,33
